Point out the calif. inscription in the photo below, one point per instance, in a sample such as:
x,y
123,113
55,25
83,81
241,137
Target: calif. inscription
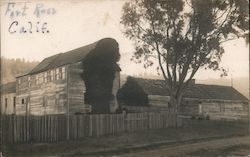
x,y
14,11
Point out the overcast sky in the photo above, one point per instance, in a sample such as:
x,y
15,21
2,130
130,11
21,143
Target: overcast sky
x,y
73,24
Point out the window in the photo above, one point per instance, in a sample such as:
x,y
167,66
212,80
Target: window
x,y
19,81
44,101
23,101
60,73
40,78
29,81
6,102
48,76
222,107
57,73
45,77
14,102
52,75
63,73
57,98
37,79
200,109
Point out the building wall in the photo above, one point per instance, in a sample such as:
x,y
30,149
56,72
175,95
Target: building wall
x,y
116,85
225,109
8,105
50,93
158,100
43,93
216,109
190,106
76,89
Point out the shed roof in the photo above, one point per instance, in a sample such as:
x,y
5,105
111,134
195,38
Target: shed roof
x,y
8,88
201,91
69,57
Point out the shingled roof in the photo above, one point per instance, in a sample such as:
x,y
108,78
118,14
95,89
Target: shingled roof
x,y
69,57
201,91
8,88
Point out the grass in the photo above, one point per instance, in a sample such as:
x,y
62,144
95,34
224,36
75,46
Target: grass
x,y
192,130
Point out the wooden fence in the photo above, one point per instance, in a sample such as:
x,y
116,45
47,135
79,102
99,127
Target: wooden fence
x,y
145,108
54,128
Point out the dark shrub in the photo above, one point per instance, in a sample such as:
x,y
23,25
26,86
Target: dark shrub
x,y
132,94
99,69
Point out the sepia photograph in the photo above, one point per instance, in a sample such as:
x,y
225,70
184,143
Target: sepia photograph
x,y
124,78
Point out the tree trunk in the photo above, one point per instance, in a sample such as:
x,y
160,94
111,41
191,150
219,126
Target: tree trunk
x,y
175,102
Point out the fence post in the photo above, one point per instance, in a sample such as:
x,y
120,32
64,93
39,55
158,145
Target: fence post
x,y
67,126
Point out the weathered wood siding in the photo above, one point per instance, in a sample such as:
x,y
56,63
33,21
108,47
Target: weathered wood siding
x,y
158,100
225,109
8,107
116,85
22,92
216,109
189,106
49,97
76,88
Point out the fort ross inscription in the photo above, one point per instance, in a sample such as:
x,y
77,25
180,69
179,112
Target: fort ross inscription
x,y
22,17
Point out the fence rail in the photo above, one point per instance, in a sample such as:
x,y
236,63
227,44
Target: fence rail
x,y
145,108
54,128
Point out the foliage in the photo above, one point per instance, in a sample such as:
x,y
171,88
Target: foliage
x,y
132,94
183,36
10,68
99,72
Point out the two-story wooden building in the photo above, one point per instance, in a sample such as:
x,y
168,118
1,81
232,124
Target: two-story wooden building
x,y
56,86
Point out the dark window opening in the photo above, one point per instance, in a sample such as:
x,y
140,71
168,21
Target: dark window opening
x,y
23,101
14,104
44,101
6,102
14,101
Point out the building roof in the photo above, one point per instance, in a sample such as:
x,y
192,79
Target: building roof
x,y
201,91
8,88
69,57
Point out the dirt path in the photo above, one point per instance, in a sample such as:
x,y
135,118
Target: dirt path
x,y
184,149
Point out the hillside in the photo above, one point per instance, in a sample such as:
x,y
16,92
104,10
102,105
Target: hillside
x,y
10,68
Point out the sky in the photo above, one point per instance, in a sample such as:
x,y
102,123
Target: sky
x,y
72,24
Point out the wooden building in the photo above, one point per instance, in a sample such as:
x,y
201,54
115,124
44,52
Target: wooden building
x,y
219,102
56,86
8,98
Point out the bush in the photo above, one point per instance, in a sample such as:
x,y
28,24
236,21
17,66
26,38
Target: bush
x,y
99,68
132,94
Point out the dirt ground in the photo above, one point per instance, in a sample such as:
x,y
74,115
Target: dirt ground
x,y
235,146
238,150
